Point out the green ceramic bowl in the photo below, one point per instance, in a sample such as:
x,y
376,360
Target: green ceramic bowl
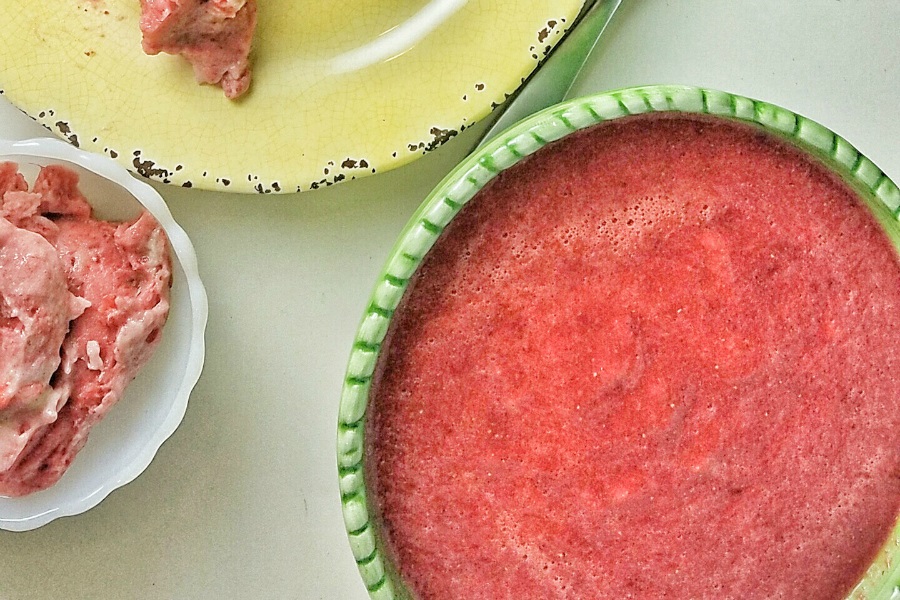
x,y
881,581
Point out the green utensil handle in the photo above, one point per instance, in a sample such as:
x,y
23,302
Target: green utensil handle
x,y
553,80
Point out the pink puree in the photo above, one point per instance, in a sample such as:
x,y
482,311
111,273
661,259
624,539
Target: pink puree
x,y
82,303
656,360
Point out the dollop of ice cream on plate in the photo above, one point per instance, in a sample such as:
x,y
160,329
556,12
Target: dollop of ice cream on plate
x,y
213,35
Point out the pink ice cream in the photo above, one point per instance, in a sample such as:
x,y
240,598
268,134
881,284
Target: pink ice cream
x,y
82,303
213,35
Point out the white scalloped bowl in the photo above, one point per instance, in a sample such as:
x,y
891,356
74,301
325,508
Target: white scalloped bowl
x,y
122,445
373,556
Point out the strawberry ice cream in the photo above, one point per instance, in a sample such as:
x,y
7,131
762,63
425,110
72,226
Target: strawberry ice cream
x,y
82,303
213,35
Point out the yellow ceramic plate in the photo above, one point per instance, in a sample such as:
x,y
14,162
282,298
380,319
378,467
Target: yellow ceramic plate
x,y
340,90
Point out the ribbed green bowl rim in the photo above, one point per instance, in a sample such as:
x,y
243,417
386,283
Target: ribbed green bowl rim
x,y
881,581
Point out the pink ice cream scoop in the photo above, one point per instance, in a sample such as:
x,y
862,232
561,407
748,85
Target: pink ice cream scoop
x,y
82,303
213,35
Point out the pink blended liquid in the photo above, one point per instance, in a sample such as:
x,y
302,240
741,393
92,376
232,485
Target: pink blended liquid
x,y
656,360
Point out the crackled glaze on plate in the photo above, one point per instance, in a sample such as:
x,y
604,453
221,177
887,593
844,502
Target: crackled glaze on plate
x,y
339,91
881,581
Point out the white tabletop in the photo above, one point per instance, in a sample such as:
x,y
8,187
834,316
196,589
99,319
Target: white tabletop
x,y
242,502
